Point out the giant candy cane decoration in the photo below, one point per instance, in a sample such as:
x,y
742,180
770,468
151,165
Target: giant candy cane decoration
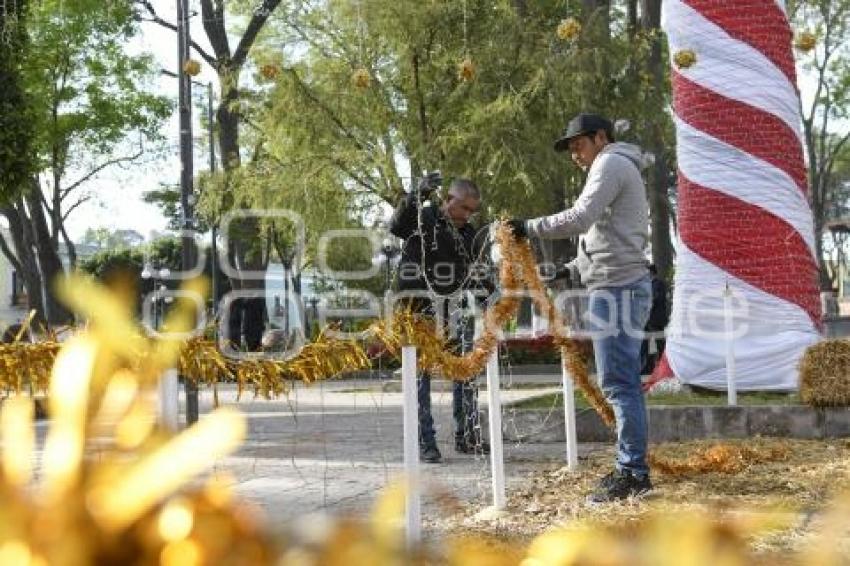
x,y
744,219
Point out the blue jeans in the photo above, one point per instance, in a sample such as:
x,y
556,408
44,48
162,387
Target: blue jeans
x,y
620,314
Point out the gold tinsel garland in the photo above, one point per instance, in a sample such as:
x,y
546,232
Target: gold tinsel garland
x,y
202,361
722,458
25,367
518,267
571,355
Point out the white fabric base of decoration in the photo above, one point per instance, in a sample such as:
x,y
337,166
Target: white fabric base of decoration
x,y
770,334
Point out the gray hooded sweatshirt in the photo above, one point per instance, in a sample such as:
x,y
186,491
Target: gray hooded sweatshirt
x,y
612,214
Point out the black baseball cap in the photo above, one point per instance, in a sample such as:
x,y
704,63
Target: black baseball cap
x,y
584,123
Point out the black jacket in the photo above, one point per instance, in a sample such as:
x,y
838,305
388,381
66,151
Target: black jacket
x,y
659,313
449,252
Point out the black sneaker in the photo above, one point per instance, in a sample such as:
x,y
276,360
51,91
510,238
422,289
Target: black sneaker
x,y
619,485
608,479
430,454
464,446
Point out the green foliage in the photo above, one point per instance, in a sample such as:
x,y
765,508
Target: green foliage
x,y
161,253
108,238
104,263
496,128
90,95
16,112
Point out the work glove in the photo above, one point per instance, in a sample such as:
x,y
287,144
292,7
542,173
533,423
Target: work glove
x,y
517,226
428,184
562,273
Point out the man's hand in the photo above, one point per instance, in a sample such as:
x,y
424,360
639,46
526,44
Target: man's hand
x,y
428,184
517,226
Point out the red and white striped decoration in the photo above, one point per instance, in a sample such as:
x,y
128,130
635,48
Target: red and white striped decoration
x,y
743,215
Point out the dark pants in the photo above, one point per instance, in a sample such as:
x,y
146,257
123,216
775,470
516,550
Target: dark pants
x,y
464,409
649,360
464,401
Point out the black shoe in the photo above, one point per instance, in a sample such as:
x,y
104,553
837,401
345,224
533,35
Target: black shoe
x,y
608,479
430,454
468,447
619,485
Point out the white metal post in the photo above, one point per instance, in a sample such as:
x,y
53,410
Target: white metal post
x,y
494,408
569,416
169,404
411,444
731,388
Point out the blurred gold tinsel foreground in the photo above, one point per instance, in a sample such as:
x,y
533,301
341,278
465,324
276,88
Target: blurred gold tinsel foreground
x,y
110,487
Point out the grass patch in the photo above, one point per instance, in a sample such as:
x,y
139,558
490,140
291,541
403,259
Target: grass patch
x,y
682,398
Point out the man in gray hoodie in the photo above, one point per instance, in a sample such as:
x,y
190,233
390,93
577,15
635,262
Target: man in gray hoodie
x,y
612,217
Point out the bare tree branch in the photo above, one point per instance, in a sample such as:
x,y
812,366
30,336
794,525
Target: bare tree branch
x,y
173,27
97,170
213,17
71,208
258,20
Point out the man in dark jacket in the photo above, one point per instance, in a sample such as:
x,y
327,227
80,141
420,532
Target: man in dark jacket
x,y
437,265
658,319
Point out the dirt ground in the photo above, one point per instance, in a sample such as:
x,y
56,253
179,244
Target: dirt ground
x,y
780,494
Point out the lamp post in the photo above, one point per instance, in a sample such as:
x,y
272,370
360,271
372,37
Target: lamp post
x,y
312,315
186,171
153,272
390,251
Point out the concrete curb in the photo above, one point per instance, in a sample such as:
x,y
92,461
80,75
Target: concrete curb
x,y
676,423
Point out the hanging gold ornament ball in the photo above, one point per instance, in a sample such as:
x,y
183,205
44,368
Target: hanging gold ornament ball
x,y
805,41
360,78
568,29
191,67
685,58
466,70
270,71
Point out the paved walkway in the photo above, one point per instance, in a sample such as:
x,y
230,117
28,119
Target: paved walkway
x,y
332,447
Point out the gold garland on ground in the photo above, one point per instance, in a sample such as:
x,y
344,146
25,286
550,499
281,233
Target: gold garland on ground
x,y
722,458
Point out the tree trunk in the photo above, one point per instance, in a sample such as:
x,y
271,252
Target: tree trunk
x,y
247,319
659,202
631,17
228,121
48,259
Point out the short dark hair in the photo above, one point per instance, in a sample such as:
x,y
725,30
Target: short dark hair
x,y
465,187
653,269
